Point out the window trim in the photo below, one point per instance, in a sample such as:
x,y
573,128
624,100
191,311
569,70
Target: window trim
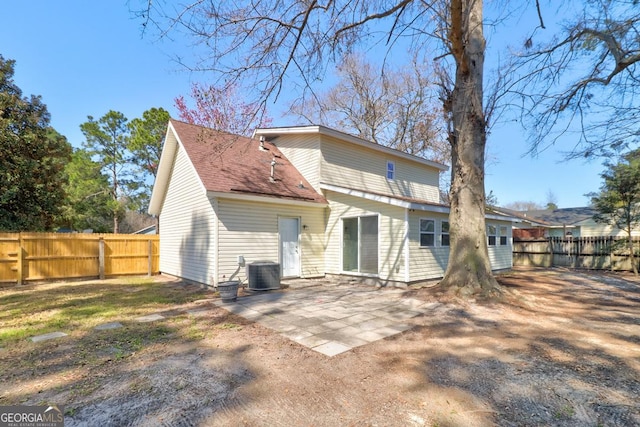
x,y
495,235
501,236
391,170
442,233
434,233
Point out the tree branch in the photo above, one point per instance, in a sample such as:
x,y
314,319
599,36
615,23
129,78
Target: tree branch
x,y
540,14
400,6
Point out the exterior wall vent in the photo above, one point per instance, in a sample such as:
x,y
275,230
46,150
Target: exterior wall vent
x,y
263,275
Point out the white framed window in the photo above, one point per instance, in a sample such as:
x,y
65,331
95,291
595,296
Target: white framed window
x,y
492,234
504,235
391,170
444,233
427,232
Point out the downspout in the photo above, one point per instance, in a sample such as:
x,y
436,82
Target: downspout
x,y
407,275
216,242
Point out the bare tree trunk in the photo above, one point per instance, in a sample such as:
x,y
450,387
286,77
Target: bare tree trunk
x,y
469,270
116,222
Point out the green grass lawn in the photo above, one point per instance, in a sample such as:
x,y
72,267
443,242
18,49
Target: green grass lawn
x,y
76,307
74,366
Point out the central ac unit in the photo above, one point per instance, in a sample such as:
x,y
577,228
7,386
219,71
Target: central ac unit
x,y
263,275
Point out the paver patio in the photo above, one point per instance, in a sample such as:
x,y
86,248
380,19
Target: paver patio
x,y
331,319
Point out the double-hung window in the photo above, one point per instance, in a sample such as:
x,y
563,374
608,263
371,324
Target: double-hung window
x,y
391,170
427,232
492,233
444,233
504,235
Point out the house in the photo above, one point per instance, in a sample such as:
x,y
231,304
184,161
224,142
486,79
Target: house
x,y
317,201
566,222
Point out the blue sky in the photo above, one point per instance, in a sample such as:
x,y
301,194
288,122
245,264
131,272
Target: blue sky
x,y
88,57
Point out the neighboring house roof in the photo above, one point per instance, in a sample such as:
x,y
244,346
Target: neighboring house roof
x,y
151,229
491,212
231,165
323,130
561,217
519,217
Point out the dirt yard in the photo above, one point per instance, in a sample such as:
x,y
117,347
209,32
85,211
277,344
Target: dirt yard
x,y
563,350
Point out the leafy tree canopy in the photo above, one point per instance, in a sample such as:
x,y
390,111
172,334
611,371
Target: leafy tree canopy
x,y
618,201
147,137
107,140
32,159
145,144
86,205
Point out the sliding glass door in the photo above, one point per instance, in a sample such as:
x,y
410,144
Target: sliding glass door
x,y
360,244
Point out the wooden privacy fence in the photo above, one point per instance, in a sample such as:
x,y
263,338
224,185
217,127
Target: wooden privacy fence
x,y
44,256
598,253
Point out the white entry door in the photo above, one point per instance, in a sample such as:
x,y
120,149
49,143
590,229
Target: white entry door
x,y
289,246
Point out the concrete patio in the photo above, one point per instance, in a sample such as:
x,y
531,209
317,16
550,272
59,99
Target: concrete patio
x,y
331,319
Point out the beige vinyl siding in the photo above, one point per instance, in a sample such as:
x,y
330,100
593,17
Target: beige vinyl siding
x,y
351,166
560,232
186,225
390,234
431,262
501,257
303,151
426,262
250,229
590,228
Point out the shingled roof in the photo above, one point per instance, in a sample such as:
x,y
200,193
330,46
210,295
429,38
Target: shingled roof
x,y
233,164
565,216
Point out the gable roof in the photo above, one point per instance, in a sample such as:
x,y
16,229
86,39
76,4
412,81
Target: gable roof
x,y
232,165
323,130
